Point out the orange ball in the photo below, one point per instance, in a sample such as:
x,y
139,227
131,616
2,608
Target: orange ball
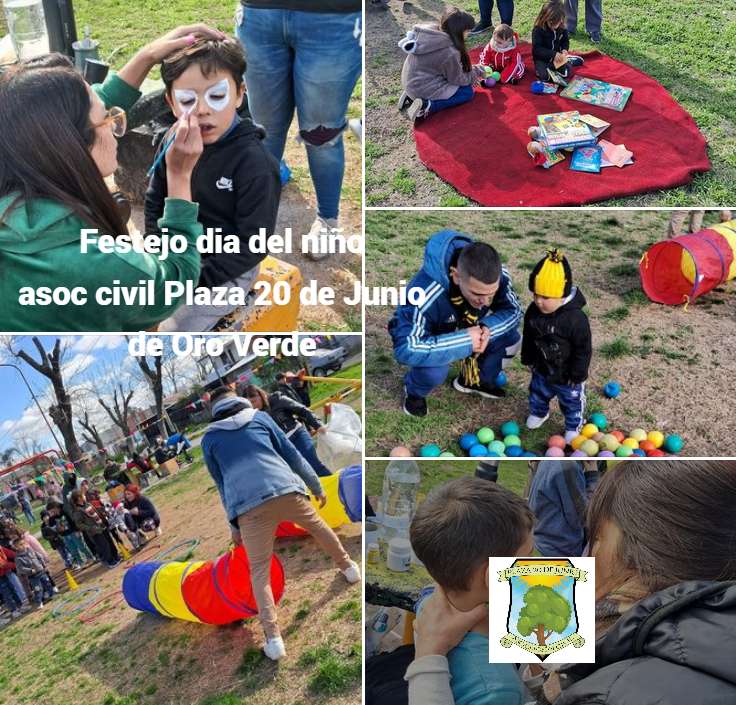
x,y
577,442
556,442
647,446
618,436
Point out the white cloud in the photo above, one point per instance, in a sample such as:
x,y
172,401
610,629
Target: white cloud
x,y
77,364
87,343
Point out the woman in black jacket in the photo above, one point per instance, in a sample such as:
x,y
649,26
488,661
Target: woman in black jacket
x,y
293,419
663,534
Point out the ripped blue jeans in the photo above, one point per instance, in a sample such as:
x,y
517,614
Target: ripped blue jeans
x,y
308,62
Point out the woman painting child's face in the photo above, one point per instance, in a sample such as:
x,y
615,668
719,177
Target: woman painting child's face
x,y
214,99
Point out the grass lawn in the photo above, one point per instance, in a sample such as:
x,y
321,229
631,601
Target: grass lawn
x,y
125,657
687,45
674,364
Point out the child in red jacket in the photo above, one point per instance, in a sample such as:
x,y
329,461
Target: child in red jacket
x,y
502,54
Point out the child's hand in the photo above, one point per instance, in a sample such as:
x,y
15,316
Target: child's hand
x,y
560,59
321,500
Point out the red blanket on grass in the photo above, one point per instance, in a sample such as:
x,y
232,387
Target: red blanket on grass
x,y
480,147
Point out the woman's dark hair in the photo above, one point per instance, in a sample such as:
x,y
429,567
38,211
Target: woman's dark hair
x,y
551,14
45,142
251,390
677,519
210,55
75,496
455,22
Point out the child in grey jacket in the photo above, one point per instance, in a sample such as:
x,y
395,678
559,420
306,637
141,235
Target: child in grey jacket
x,y
32,565
437,72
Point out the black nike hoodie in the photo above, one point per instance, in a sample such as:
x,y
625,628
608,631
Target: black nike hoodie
x,y
237,185
558,345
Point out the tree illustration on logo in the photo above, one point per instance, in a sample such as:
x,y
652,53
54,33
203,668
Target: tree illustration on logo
x,y
544,612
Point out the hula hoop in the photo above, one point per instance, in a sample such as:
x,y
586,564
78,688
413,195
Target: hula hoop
x,y
190,543
57,611
99,613
133,560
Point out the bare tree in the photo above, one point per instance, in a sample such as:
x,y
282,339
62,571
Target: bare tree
x,y
8,454
154,377
49,365
92,435
119,409
170,369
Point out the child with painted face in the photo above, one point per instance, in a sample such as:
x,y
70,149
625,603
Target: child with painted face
x,y
236,181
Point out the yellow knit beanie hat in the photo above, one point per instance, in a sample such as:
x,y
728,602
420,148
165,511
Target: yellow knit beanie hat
x,y
551,277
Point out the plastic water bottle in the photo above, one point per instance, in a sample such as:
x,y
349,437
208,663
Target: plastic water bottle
x,y
27,27
375,631
399,500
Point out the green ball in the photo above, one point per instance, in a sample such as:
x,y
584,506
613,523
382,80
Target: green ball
x,y
496,75
590,448
512,440
599,420
624,451
497,447
447,454
485,435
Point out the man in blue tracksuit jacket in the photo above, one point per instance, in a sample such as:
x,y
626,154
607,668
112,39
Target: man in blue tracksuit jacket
x,y
470,309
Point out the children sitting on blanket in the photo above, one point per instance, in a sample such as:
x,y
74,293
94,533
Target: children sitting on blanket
x,y
502,54
437,72
550,42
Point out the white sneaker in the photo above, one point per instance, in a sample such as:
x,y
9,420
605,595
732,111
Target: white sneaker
x,y
158,531
321,226
4,621
55,589
533,422
352,572
275,648
570,436
356,127
418,109
40,605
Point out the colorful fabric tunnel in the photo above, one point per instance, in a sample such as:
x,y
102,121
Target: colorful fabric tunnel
x,y
344,491
679,270
212,592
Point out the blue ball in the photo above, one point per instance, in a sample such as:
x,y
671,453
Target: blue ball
x,y
501,379
673,443
510,428
477,451
514,451
537,87
639,452
430,451
612,389
468,440
491,454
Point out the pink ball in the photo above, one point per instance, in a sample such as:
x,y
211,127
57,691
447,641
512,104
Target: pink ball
x,y
556,442
554,452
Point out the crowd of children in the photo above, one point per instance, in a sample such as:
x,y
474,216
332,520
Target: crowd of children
x,y
438,72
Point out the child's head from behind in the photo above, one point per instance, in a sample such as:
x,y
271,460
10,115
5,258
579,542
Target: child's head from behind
x,y
457,23
503,37
551,282
460,524
477,273
551,16
206,79
19,544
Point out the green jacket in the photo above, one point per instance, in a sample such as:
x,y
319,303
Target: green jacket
x,y
40,246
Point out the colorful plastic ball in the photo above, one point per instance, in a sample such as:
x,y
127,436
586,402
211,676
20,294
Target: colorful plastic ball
x,y
501,379
491,454
631,442
618,436
673,443
606,454
577,442
447,454
590,448
510,428
478,451
468,440
537,87
612,389
624,451
554,452
656,453
485,435
497,447
656,437
647,445
610,442
599,420
496,75
589,429
527,454
639,453
514,451
578,454
511,440
639,433
400,452
489,82
557,440
430,451
598,437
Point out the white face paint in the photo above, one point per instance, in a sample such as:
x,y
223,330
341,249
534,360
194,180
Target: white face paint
x,y
185,99
218,96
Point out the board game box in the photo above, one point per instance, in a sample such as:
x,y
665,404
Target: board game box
x,y
595,92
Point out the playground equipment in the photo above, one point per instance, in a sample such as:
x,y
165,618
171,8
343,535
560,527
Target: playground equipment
x,y
211,592
679,270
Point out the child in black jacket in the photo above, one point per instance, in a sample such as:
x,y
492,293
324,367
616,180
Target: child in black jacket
x,y
550,42
556,344
236,181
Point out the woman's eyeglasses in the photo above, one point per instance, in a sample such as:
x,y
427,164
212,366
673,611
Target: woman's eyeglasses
x,y
116,117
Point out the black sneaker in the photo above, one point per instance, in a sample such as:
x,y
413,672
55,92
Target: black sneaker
x,y
574,60
483,390
414,406
480,28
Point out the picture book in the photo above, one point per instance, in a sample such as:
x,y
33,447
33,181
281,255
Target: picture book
x,y
600,93
561,130
596,125
552,158
587,159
